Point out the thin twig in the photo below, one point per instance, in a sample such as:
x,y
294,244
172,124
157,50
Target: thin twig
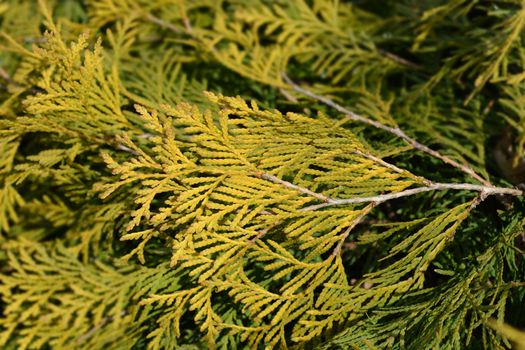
x,y
379,161
94,330
263,232
357,220
516,284
4,75
127,149
288,96
399,59
97,327
164,24
484,190
432,186
275,179
395,131
480,198
390,166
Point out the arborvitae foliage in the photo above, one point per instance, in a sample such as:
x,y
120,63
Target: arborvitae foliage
x,y
249,174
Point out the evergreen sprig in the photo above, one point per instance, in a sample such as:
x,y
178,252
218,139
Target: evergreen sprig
x,y
261,174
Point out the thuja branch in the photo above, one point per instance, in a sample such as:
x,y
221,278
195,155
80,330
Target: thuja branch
x,y
392,130
432,186
484,190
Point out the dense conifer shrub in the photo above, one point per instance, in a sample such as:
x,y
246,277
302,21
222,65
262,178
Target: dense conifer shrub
x,y
262,174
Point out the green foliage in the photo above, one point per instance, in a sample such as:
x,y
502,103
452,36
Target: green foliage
x,y
163,186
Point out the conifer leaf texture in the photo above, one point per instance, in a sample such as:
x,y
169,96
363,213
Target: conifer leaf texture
x,y
226,174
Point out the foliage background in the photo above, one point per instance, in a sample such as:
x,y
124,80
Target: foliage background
x,y
138,212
